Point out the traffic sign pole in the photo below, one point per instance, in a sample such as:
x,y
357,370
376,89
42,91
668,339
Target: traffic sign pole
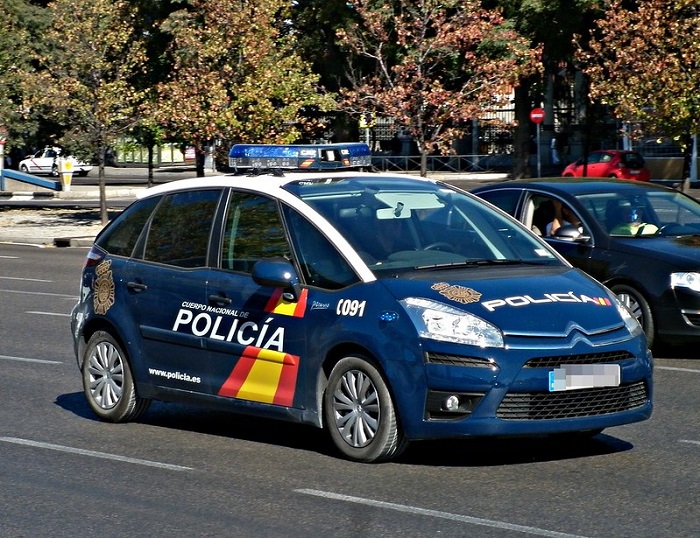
x,y
537,116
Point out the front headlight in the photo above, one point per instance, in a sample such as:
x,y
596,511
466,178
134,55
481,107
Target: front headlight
x,y
686,280
439,321
631,322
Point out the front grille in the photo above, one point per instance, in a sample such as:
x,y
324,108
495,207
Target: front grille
x,y
574,403
458,360
585,358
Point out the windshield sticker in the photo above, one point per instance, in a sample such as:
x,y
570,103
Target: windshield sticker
x,y
263,375
279,305
103,298
454,292
526,300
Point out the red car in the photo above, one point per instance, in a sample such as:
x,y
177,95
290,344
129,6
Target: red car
x,y
610,163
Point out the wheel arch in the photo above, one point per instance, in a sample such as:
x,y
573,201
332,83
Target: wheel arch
x,y
334,355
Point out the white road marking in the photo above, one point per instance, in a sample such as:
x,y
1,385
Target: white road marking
x,y
41,293
48,313
674,369
24,279
93,454
10,257
435,513
689,442
24,359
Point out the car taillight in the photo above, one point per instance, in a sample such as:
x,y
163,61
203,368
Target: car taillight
x,y
94,256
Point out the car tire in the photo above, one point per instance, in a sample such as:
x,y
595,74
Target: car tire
x,y
639,307
359,412
23,168
107,381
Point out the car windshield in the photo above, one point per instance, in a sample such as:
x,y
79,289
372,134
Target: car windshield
x,y
396,225
644,212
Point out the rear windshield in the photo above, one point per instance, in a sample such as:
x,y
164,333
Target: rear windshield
x,y
633,160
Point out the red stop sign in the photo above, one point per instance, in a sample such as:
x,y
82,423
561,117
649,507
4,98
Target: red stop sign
x,y
537,115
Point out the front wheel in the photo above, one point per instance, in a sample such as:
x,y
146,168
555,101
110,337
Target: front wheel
x,y
359,412
23,168
107,381
638,307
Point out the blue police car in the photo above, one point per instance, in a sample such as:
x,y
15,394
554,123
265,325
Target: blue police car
x,y
384,308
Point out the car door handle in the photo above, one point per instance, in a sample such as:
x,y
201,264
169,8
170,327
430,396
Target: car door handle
x,y
136,286
219,299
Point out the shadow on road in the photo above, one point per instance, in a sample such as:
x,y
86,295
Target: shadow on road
x,y
446,453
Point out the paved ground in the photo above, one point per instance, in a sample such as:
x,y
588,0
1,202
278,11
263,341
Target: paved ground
x,y
70,219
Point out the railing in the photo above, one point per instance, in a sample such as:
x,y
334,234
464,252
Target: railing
x,y
443,163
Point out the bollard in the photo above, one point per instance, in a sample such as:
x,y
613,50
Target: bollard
x,y
65,167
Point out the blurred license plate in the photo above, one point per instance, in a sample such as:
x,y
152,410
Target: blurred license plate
x,y
634,171
584,376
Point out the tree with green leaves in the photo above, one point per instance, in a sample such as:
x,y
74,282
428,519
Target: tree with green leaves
x,y
236,75
438,64
84,76
21,24
550,25
644,63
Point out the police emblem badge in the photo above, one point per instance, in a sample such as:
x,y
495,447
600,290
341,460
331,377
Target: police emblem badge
x,y
459,294
103,297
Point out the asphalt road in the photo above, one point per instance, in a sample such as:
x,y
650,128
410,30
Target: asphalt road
x,y
187,471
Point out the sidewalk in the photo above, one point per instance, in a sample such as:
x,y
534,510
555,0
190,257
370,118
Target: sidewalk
x,y
70,225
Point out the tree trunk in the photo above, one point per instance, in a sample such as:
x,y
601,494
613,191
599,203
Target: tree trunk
x,y
522,138
150,165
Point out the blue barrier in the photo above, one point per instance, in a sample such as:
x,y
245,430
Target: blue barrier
x,y
28,178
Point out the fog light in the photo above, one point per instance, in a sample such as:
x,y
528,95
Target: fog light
x,y
451,403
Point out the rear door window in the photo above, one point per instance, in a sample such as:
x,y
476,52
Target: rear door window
x,y
180,228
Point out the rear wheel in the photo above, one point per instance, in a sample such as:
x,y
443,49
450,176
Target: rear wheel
x,y
359,412
54,170
107,381
639,307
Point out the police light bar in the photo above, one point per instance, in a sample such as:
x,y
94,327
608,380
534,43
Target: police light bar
x,y
300,156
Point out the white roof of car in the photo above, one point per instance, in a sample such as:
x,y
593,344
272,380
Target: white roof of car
x,y
264,183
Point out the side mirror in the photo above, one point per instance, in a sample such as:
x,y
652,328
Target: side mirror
x,y
569,232
278,273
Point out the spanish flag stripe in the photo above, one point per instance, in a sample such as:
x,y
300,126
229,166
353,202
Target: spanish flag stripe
x,y
274,299
285,390
262,381
237,377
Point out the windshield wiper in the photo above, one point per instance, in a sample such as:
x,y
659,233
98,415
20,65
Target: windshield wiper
x,y
477,263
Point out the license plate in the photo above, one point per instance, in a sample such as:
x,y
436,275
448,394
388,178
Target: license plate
x,y
584,376
635,171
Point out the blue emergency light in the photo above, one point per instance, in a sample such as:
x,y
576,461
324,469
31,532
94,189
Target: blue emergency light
x,y
300,156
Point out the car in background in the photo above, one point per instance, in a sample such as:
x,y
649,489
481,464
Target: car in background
x,y
639,239
611,163
384,308
45,162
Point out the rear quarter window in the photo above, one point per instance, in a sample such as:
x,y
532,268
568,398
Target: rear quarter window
x,y
120,237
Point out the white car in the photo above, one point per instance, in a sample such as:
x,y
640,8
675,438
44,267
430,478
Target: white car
x,y
45,161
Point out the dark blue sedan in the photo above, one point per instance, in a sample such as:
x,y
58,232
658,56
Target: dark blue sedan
x,y
640,240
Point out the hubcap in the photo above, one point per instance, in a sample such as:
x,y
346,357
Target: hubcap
x,y
106,375
356,408
632,305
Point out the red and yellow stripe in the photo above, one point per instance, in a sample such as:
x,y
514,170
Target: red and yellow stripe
x,y
263,375
278,305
